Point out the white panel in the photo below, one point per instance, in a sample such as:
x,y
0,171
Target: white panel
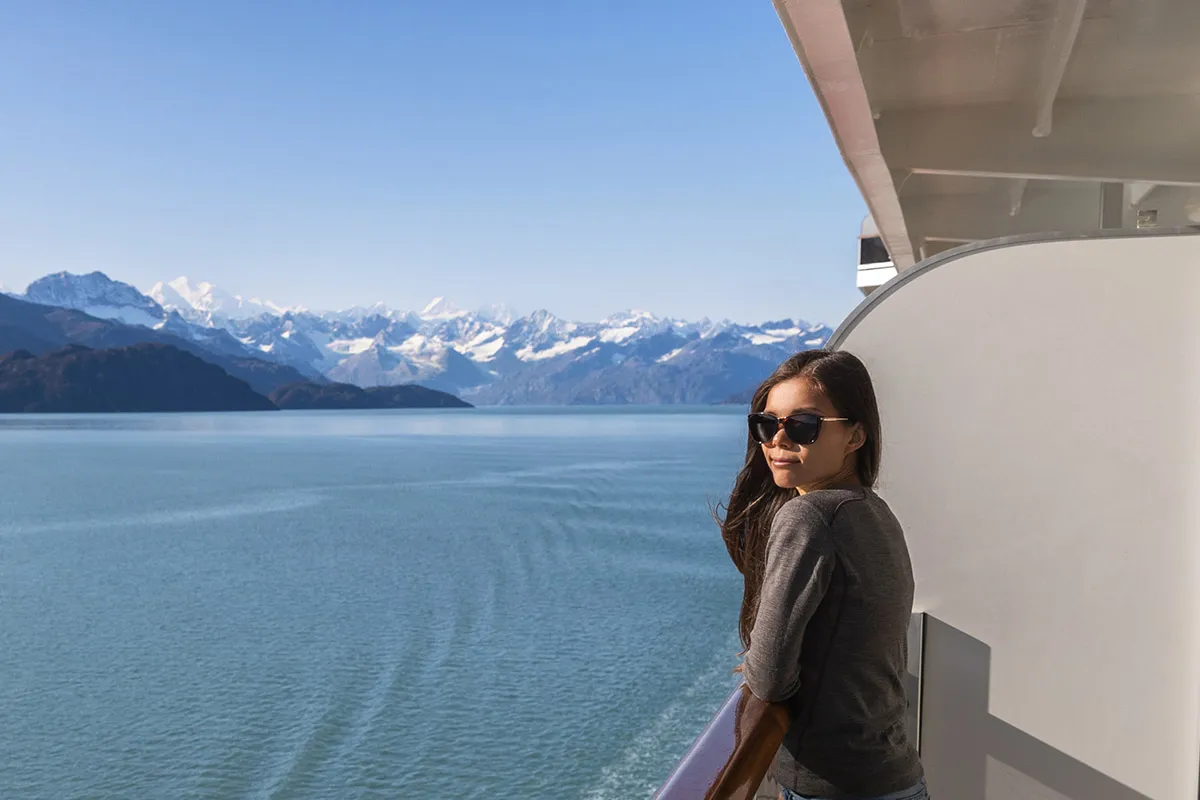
x,y
1040,406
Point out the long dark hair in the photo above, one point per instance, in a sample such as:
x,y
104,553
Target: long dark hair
x,y
755,498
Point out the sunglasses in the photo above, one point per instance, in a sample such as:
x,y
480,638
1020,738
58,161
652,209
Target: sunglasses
x,y
800,428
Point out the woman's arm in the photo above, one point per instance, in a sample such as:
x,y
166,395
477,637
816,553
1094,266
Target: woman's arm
x,y
800,559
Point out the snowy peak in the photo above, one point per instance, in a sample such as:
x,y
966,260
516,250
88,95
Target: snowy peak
x,y
499,313
167,297
628,325
785,331
68,290
98,295
441,308
181,292
713,329
356,313
203,302
543,321
630,317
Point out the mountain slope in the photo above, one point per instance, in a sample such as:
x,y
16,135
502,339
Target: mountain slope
x,y
144,377
417,360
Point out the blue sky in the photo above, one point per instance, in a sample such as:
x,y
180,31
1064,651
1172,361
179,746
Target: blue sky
x,y
583,157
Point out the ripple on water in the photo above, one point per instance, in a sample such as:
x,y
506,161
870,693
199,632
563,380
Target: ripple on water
x,y
267,503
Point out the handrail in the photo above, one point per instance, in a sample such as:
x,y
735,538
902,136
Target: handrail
x,y
731,757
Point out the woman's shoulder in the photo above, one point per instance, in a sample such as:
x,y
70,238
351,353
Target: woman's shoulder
x,y
800,524
809,513
824,504
823,517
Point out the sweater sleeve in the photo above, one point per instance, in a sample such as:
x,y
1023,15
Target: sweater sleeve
x,y
800,561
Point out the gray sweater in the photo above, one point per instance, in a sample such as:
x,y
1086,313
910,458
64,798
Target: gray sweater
x,y
830,642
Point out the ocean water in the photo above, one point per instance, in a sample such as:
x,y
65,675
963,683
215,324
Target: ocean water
x,y
478,603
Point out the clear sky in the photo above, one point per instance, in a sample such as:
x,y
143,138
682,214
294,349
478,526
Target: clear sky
x,y
583,157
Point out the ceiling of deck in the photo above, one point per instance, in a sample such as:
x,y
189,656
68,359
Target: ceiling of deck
x,y
970,119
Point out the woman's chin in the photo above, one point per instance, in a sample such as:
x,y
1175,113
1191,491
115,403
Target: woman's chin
x,y
786,479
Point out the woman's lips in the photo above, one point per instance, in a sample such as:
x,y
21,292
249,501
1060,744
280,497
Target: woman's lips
x,y
784,462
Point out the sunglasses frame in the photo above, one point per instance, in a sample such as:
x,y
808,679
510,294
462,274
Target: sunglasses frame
x,y
783,422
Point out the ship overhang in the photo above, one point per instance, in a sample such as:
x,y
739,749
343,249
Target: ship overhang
x,y
967,120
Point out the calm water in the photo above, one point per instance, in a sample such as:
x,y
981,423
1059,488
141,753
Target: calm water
x,y
512,604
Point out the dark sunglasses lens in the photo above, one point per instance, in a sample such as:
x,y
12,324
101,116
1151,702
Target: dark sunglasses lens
x,y
802,429
763,428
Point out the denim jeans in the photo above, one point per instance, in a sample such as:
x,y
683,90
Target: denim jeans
x,y
917,792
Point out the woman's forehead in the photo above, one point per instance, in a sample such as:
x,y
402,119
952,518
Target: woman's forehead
x,y
797,394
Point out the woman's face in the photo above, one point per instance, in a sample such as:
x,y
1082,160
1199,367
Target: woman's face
x,y
827,460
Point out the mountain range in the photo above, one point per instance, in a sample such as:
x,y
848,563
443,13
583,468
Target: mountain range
x,y
487,356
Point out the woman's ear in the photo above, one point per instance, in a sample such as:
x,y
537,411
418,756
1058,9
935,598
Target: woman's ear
x,y
858,437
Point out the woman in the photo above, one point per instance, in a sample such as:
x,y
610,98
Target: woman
x,y
828,583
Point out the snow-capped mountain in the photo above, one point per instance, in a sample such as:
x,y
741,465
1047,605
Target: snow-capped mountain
x,y
429,362
486,356
203,302
440,308
498,313
97,295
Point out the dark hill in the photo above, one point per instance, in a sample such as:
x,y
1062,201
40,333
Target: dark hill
x,y
37,328
742,398
144,377
346,396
